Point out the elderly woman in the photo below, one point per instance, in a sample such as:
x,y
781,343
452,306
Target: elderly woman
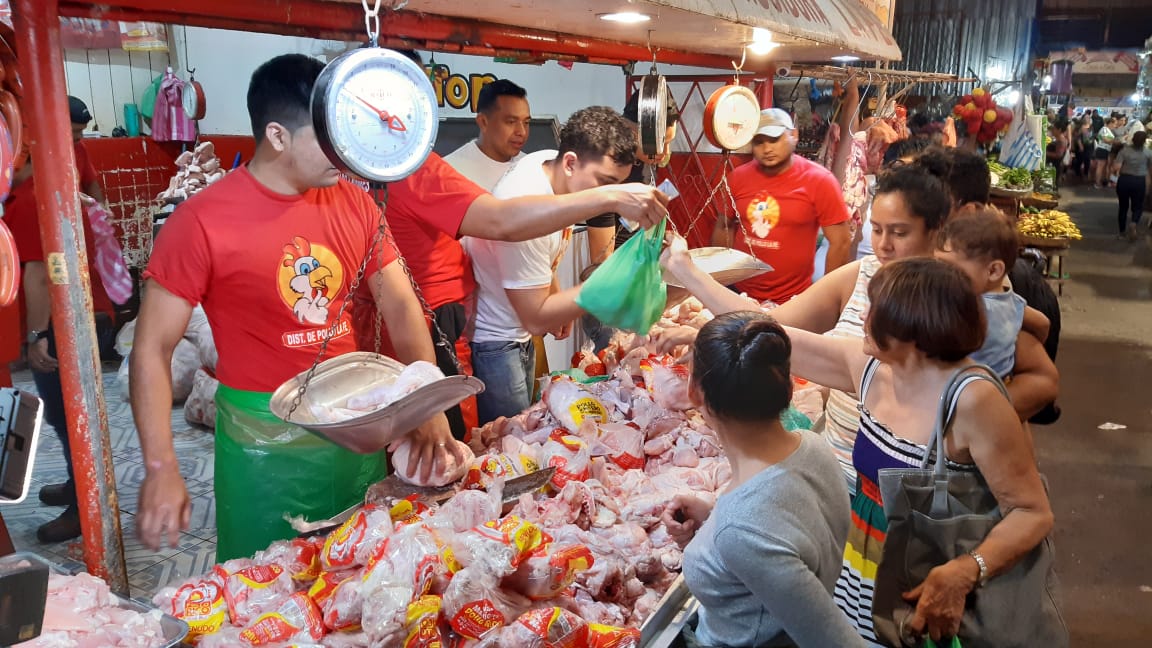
x,y
923,322
761,584
910,206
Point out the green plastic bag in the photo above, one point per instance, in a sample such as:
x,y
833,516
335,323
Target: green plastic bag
x,y
627,291
955,643
266,468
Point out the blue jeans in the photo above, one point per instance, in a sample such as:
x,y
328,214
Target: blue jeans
x,y
508,371
51,392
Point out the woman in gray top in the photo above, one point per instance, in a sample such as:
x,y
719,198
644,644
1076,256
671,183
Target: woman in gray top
x,y
764,560
1133,164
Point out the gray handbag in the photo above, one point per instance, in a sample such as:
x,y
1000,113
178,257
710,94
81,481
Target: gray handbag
x,y
936,514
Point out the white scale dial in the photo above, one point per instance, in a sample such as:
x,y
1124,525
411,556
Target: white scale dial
x,y
375,114
731,117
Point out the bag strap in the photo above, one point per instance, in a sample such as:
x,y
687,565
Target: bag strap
x,y
946,409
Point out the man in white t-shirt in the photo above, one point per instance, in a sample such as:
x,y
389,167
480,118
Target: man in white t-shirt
x,y
518,295
503,117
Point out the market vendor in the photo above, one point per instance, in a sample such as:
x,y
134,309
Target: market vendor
x,y
781,201
519,294
271,252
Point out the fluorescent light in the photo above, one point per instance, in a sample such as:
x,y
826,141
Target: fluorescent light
x,y
846,58
626,17
761,49
1135,97
1013,98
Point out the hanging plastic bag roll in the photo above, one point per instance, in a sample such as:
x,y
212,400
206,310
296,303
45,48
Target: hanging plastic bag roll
x,y
627,291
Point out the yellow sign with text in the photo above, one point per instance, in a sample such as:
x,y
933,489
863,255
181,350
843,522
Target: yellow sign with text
x,y
456,90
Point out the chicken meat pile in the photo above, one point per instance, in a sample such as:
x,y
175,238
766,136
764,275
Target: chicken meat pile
x,y
581,564
195,170
81,612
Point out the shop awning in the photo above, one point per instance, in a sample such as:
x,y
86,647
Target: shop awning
x,y
808,30
709,33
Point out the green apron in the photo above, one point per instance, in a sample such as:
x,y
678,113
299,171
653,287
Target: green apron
x,y
266,469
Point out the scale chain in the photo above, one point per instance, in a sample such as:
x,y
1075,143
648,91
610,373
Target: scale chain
x,y
352,288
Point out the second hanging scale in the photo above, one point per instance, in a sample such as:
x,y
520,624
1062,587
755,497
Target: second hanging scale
x,y
375,116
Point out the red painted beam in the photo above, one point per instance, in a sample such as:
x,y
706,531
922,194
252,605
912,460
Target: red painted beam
x,y
345,20
37,28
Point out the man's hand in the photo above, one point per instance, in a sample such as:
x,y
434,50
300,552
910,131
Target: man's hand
x,y
563,332
432,443
165,509
639,203
38,358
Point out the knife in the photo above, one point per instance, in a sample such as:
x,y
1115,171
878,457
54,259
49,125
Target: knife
x,y
392,489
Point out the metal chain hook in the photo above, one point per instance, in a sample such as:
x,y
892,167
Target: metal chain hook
x,y
372,21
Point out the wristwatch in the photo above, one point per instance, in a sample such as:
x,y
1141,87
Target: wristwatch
x,y
34,336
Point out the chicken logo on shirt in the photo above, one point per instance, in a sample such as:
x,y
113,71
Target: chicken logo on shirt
x,y
310,275
763,213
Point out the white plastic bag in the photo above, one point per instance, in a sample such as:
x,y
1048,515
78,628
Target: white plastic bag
x,y
200,408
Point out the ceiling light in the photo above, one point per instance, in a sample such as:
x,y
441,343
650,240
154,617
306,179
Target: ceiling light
x,y
762,42
846,58
1013,97
1135,97
626,17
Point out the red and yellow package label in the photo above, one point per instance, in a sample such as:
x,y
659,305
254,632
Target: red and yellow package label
x,y
340,547
523,536
297,614
307,559
556,628
602,636
477,618
259,576
200,605
325,586
409,510
423,629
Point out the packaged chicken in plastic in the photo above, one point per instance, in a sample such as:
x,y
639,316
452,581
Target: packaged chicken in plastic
x,y
549,571
297,619
199,602
252,590
667,382
572,403
499,546
400,571
475,605
354,541
569,455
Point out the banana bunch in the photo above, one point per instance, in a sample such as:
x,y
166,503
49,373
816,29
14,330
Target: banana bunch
x,y
1049,223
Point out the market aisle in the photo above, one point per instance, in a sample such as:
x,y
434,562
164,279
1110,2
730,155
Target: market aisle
x,y
148,571
1101,480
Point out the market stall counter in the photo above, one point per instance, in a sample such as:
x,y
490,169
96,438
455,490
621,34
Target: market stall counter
x,y
579,555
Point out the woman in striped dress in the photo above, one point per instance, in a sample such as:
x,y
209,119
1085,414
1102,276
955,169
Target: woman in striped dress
x,y
923,321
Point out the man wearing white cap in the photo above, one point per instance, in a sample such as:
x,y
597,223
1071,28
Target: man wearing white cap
x,y
782,200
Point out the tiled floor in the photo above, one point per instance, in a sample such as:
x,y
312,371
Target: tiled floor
x,y
147,570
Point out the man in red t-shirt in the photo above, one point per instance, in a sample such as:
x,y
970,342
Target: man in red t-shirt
x,y
22,218
782,200
271,252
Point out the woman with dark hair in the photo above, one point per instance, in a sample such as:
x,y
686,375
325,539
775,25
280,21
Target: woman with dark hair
x,y
761,584
923,322
1133,168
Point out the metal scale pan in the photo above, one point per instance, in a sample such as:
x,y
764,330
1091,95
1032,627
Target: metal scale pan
x,y
337,379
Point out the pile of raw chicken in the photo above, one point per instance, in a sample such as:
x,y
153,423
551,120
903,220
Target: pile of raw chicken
x,y
195,170
81,611
580,567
